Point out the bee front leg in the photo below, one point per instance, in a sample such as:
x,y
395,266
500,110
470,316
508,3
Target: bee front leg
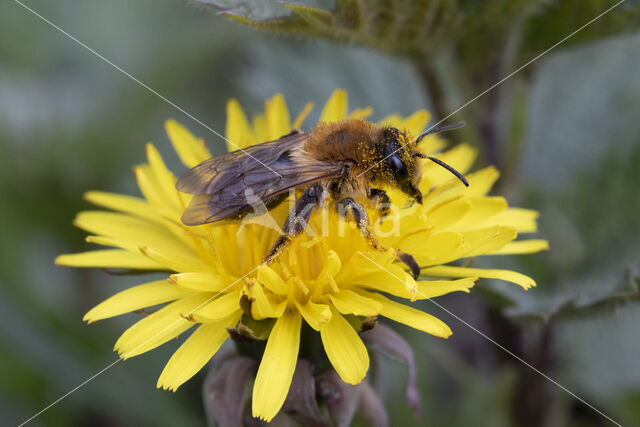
x,y
297,220
361,219
381,199
348,205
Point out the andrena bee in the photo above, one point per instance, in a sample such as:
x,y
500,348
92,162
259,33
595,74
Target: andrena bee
x,y
347,161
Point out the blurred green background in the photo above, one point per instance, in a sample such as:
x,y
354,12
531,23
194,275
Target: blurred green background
x,y
564,131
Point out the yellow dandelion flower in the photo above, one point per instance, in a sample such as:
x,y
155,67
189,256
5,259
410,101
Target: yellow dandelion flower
x,y
330,280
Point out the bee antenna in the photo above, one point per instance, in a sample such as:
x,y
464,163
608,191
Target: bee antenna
x,y
446,166
437,129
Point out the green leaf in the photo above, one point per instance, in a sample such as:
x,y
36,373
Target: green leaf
x,y
405,27
625,293
418,27
553,20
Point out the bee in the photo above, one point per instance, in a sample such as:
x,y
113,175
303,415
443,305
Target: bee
x,y
346,161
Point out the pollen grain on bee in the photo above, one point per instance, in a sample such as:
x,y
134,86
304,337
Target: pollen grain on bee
x,y
231,143
499,82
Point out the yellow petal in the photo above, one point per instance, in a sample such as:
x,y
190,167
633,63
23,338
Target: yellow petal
x,y
190,149
203,282
119,202
263,305
461,157
487,240
345,349
431,249
361,113
113,242
333,264
194,353
435,288
314,314
272,280
507,275
134,231
448,214
155,193
367,262
336,107
410,220
415,123
523,220
432,144
482,213
296,282
522,247
159,327
480,183
164,177
260,128
410,316
222,307
302,116
238,130
134,298
394,120
349,302
277,366
169,260
391,279
109,258
326,281
277,114
445,247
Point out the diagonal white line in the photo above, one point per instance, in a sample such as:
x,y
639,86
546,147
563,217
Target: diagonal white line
x,y
231,143
501,347
187,114
165,99
532,60
70,391
508,76
120,358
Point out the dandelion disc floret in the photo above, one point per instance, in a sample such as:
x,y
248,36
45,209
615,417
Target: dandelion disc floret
x,y
330,278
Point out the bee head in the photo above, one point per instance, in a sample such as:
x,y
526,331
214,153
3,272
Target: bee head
x,y
400,165
398,159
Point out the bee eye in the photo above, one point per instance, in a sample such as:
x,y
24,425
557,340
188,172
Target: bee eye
x,y
398,168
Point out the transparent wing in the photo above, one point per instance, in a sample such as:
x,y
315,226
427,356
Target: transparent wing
x,y
230,186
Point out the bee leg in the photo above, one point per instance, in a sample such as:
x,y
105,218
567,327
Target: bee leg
x,y
361,219
297,220
409,261
381,199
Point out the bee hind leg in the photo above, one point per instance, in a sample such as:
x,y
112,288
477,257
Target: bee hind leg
x,y
409,261
297,221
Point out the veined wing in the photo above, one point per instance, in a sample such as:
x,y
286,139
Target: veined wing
x,y
229,186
